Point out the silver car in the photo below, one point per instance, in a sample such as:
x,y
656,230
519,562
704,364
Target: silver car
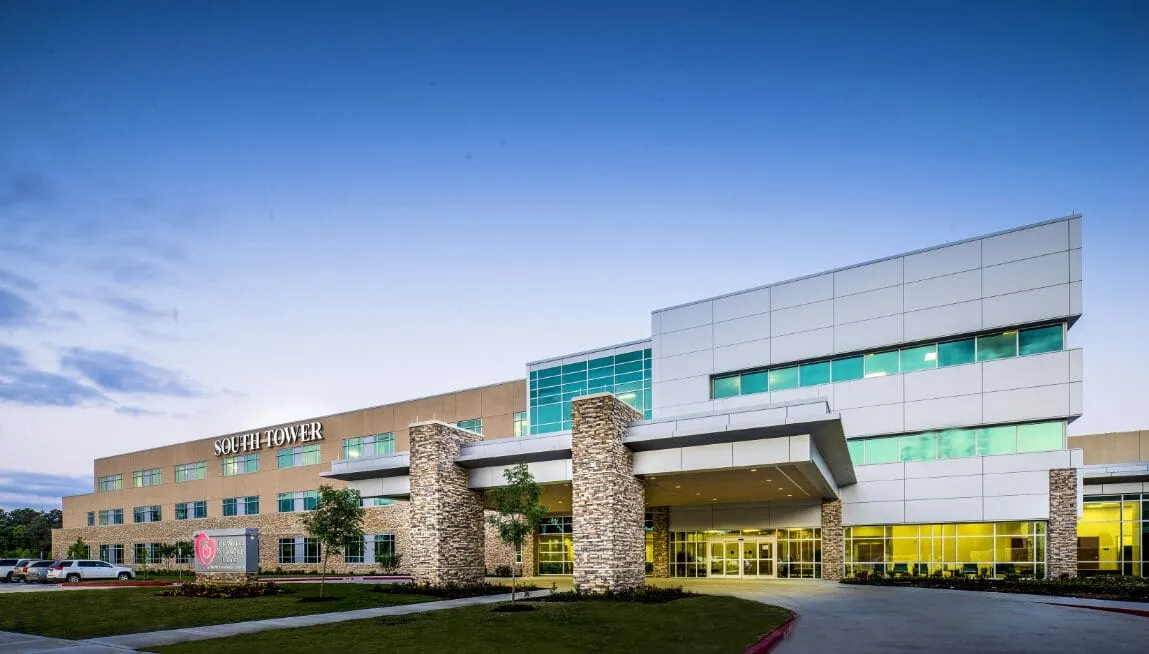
x,y
37,572
86,569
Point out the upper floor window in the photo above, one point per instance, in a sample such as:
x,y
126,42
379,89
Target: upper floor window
x,y
149,513
142,478
881,363
375,501
191,471
519,424
191,510
110,483
474,424
958,443
627,375
111,517
91,518
298,501
233,506
240,465
294,457
376,445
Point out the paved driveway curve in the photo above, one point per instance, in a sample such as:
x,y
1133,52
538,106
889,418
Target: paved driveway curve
x,y
862,619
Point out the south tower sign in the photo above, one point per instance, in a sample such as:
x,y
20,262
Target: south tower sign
x,y
304,432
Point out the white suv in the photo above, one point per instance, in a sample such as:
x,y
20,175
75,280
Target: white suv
x,y
84,569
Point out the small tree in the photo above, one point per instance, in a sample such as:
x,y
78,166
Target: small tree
x,y
78,550
166,552
184,550
519,510
336,521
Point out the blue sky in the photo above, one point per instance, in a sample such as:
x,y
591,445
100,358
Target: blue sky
x,y
215,216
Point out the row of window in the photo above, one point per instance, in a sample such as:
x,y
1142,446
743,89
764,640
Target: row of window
x,y
965,549
372,548
958,443
296,457
364,446
627,375
232,506
986,347
474,424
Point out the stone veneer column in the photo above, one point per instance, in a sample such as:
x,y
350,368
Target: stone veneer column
x,y
1061,534
447,530
661,541
607,501
833,541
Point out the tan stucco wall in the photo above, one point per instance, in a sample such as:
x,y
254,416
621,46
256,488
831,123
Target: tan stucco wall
x,y
1115,447
495,404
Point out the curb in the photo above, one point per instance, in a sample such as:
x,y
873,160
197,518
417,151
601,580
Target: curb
x,y
118,584
1112,609
774,638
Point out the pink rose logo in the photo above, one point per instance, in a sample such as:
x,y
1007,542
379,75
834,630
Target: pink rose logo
x,y
204,549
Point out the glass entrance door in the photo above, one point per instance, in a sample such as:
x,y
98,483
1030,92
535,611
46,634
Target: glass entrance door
x,y
742,558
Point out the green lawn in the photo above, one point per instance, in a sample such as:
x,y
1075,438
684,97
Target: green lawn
x,y
93,613
696,624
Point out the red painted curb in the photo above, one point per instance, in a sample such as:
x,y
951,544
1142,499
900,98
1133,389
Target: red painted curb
x,y
1113,609
117,584
772,639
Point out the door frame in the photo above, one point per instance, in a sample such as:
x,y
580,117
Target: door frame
x,y
740,541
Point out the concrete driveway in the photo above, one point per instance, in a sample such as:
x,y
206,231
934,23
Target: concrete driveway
x,y
840,618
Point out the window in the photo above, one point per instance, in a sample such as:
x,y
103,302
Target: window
x,y
555,543
113,554
146,513
240,465
926,356
880,364
997,346
111,517
519,424
372,548
299,550
1112,535
91,518
191,510
185,550
376,445
474,424
798,554
142,478
627,375
963,549
376,501
147,553
957,443
295,457
955,353
298,501
813,374
233,506
110,483
191,471
1040,339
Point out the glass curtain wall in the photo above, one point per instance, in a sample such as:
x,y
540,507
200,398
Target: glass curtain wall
x,y
1112,534
980,549
799,554
627,375
555,545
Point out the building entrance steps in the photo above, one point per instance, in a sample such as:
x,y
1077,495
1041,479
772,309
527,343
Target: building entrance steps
x,y
160,638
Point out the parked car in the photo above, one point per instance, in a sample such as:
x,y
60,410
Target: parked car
x,y
18,570
85,569
37,572
6,567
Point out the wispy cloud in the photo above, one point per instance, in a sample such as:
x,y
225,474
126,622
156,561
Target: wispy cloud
x,y
37,490
22,187
19,282
140,412
140,309
15,311
25,385
120,373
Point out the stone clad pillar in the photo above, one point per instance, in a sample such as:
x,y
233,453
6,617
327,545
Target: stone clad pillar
x,y
660,537
447,530
833,541
607,500
1061,535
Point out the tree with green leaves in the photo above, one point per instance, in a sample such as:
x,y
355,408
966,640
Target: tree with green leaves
x,y
336,521
184,550
519,510
78,550
166,552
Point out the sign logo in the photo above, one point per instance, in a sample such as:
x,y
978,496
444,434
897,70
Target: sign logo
x,y
205,549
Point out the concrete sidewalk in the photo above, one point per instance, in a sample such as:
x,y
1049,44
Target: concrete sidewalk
x,y
157,638
14,643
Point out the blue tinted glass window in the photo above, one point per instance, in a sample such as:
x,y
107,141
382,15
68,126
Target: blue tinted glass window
x,y
784,378
755,382
880,364
846,369
997,346
812,374
1040,339
955,353
922,357
726,386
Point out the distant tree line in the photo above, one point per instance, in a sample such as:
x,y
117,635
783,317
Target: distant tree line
x,y
28,532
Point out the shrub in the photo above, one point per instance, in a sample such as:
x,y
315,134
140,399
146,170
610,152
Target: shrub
x,y
502,571
447,591
642,595
224,591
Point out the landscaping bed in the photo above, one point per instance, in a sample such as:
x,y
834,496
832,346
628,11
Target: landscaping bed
x,y
698,623
91,614
1130,589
